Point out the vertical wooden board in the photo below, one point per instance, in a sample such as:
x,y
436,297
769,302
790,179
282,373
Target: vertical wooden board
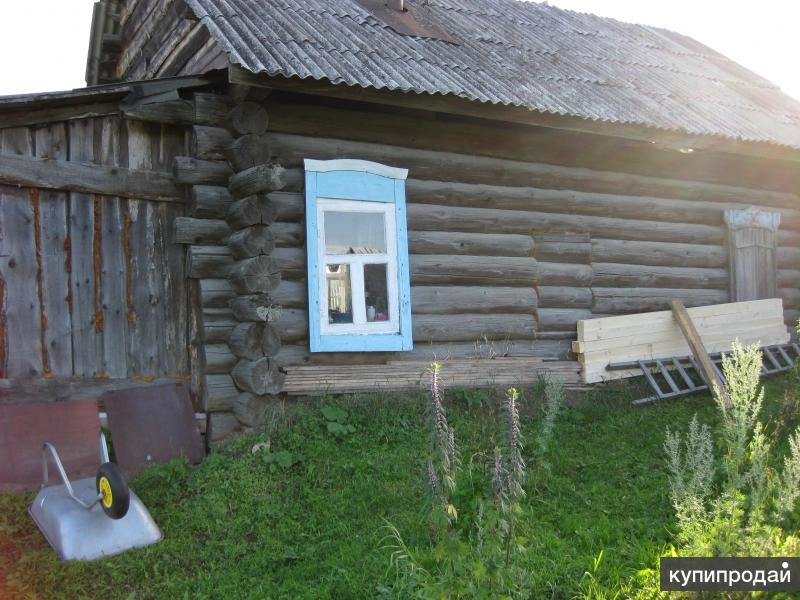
x,y
144,334
18,267
87,341
113,290
172,143
51,142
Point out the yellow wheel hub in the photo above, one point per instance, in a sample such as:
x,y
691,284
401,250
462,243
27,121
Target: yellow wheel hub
x,y
105,490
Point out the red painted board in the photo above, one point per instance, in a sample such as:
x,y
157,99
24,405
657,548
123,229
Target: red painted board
x,y
153,424
72,426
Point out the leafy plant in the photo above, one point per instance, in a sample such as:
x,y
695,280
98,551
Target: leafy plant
x,y
741,514
336,420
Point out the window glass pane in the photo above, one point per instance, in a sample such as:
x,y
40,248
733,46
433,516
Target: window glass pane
x,y
375,293
340,300
354,232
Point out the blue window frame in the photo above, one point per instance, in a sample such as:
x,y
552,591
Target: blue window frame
x,y
359,296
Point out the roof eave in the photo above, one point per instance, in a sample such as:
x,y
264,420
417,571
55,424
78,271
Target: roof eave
x,y
662,138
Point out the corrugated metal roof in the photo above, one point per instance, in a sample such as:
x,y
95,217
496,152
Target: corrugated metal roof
x,y
514,53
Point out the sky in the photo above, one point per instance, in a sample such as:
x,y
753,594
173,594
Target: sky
x,y
43,43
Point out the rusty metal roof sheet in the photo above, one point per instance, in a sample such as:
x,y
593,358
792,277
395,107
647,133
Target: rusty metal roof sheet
x,y
515,53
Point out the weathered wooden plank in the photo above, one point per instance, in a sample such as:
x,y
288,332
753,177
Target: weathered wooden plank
x,y
474,244
788,257
219,358
431,217
470,299
216,293
633,300
175,352
82,177
202,109
112,263
19,270
618,275
57,335
87,338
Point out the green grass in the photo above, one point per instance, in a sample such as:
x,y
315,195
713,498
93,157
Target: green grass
x,y
238,526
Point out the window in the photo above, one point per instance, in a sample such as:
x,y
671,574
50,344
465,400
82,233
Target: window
x,y
358,282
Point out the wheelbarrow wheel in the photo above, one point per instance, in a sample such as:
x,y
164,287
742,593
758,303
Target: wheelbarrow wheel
x,y
113,488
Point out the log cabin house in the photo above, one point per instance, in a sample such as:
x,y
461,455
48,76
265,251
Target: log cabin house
x,y
293,196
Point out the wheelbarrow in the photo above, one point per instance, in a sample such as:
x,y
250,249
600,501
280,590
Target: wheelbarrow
x,y
92,517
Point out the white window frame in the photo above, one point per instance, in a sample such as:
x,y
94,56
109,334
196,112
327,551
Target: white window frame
x,y
356,262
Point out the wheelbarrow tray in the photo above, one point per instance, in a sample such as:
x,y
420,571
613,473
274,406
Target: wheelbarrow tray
x,y
76,533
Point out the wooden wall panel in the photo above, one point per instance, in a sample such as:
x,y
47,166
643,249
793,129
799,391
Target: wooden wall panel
x,y
92,286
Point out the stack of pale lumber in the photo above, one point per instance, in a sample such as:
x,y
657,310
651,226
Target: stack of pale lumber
x,y
404,375
646,336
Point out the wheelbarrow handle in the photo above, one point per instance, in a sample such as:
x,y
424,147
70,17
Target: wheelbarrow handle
x,y
57,460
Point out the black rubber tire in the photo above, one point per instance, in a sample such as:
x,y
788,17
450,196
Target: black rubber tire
x,y
113,480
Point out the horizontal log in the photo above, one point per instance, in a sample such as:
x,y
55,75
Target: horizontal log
x,y
790,296
248,151
192,171
217,325
54,174
472,327
209,143
649,208
290,205
209,201
214,262
190,230
565,274
255,307
563,297
221,392
466,299
471,270
788,278
247,118
788,257
254,275
251,241
558,251
292,262
552,349
446,166
263,178
215,293
430,217
254,340
259,377
208,262
289,234
219,358
292,325
560,319
473,244
621,276
202,109
614,301
663,254
257,209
